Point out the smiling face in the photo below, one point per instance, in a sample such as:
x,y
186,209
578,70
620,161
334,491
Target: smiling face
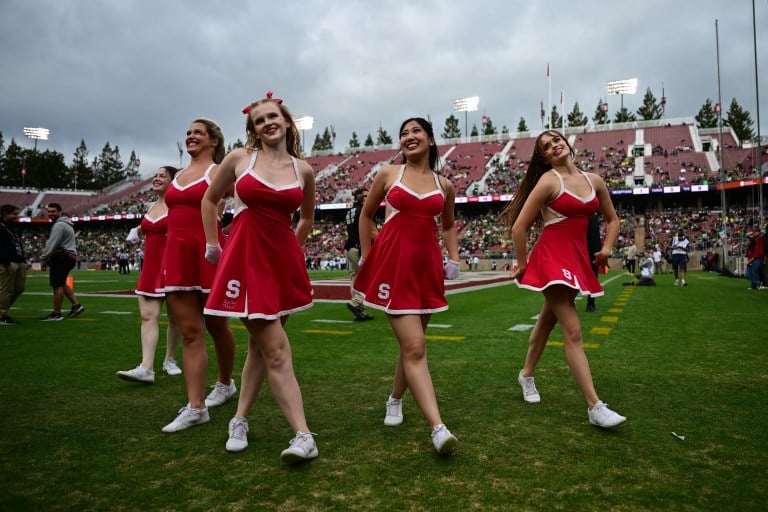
x,y
198,140
268,123
553,148
414,139
160,181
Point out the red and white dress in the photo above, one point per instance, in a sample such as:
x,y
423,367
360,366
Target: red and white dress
x,y
154,245
560,255
184,266
262,272
403,272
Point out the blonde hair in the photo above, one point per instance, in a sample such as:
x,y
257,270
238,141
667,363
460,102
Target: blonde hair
x,y
292,137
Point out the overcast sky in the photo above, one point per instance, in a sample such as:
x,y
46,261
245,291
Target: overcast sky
x,y
134,73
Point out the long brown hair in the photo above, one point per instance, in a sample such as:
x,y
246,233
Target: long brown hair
x,y
214,132
537,166
292,137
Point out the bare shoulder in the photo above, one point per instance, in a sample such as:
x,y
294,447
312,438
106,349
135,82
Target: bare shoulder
x,y
304,167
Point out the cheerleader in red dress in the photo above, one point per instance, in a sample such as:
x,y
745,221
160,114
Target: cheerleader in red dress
x,y
154,225
402,272
262,272
562,197
187,277
262,276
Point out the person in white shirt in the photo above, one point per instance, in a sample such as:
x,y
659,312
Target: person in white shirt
x,y
680,258
647,268
658,259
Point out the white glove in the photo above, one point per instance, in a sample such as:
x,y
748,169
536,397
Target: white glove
x,y
212,253
133,236
451,269
360,263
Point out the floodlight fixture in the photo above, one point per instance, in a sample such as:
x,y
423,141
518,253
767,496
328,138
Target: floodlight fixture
x,y
36,134
468,104
304,123
628,86
622,87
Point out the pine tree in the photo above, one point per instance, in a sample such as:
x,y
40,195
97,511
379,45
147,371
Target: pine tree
x,y
576,117
488,128
624,116
707,117
557,119
601,113
383,137
650,108
81,172
132,170
521,126
451,130
369,141
474,132
354,142
741,122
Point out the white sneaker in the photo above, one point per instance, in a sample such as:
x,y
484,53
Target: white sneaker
x,y
171,368
238,434
530,393
221,394
138,374
443,440
302,447
188,417
676,282
394,415
600,415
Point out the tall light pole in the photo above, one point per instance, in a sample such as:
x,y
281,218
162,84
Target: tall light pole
x,y
34,134
622,87
468,104
304,123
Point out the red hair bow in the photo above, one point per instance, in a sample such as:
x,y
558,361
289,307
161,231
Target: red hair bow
x,y
247,110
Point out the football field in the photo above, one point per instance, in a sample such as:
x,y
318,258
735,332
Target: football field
x,y
687,366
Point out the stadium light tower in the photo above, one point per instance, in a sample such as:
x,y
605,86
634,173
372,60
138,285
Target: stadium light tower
x,y
468,104
304,123
622,87
36,134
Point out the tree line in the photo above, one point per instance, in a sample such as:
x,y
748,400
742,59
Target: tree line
x,y
47,169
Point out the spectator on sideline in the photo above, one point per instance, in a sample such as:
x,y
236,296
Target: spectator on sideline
x,y
647,269
60,254
755,254
154,225
261,277
561,197
631,261
187,278
658,259
13,263
680,258
352,246
403,271
594,244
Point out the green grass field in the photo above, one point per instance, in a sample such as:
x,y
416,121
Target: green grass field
x,y
692,361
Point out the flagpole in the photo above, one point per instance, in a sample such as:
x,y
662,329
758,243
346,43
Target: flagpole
x,y
549,94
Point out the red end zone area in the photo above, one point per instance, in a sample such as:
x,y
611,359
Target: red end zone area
x,y
338,289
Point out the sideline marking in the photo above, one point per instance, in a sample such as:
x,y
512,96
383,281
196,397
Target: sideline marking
x,y
585,345
446,338
116,312
440,326
323,331
324,321
520,327
601,330
615,310
609,319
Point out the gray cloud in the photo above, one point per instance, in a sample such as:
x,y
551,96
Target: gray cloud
x,y
135,73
